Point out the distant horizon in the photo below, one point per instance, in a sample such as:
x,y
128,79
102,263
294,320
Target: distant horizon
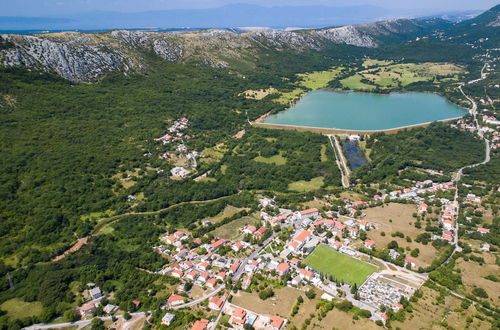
x,y
223,17
36,8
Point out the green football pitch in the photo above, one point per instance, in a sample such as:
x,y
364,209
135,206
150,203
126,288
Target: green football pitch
x,y
340,266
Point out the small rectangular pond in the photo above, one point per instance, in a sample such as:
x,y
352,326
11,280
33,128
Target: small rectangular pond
x,y
354,154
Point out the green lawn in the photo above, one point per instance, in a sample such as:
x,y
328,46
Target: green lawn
x,y
276,159
319,79
354,82
305,186
18,309
341,267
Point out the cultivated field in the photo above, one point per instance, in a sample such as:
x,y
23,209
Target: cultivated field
x,y
384,74
339,266
427,314
18,309
473,276
402,221
232,230
281,304
343,320
276,159
258,94
229,211
319,79
354,82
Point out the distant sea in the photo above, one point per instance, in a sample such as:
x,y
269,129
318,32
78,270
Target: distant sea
x,y
97,31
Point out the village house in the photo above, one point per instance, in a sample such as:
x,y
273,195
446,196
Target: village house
x,y
483,231
95,293
167,319
109,308
204,266
275,221
238,246
296,280
393,254
87,309
369,244
215,303
422,208
221,276
175,300
282,269
180,235
260,232
211,283
234,267
307,214
325,222
251,266
447,224
306,274
204,277
363,225
200,325
192,275
176,273
354,232
410,262
276,322
249,229
239,316
299,241
215,246
337,245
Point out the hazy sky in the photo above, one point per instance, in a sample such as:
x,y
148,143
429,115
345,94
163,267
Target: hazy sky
x,y
61,7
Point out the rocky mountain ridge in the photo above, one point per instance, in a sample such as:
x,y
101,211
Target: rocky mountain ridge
x,y
86,57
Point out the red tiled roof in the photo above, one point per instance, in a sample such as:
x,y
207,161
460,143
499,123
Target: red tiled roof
x,y
175,298
277,322
217,301
302,236
239,313
200,325
308,211
283,267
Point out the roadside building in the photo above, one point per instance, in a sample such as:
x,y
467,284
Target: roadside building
x,y
200,325
215,303
369,244
239,316
95,293
167,319
175,300
282,269
87,309
307,214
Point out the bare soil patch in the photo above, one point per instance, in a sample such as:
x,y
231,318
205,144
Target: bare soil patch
x,y
401,216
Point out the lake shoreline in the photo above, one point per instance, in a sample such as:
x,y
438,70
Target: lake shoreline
x,y
339,131
317,120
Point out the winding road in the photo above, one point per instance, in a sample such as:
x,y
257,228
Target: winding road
x,y
487,158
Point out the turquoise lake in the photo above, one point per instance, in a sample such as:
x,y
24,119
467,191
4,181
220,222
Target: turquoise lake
x,y
364,111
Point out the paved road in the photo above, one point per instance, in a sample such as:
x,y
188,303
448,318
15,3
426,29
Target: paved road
x,y
341,162
199,300
254,254
487,158
79,324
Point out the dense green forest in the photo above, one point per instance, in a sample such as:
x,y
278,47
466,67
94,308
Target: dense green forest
x,y
437,146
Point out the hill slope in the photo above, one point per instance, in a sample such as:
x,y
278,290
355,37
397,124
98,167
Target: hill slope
x,y
86,57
